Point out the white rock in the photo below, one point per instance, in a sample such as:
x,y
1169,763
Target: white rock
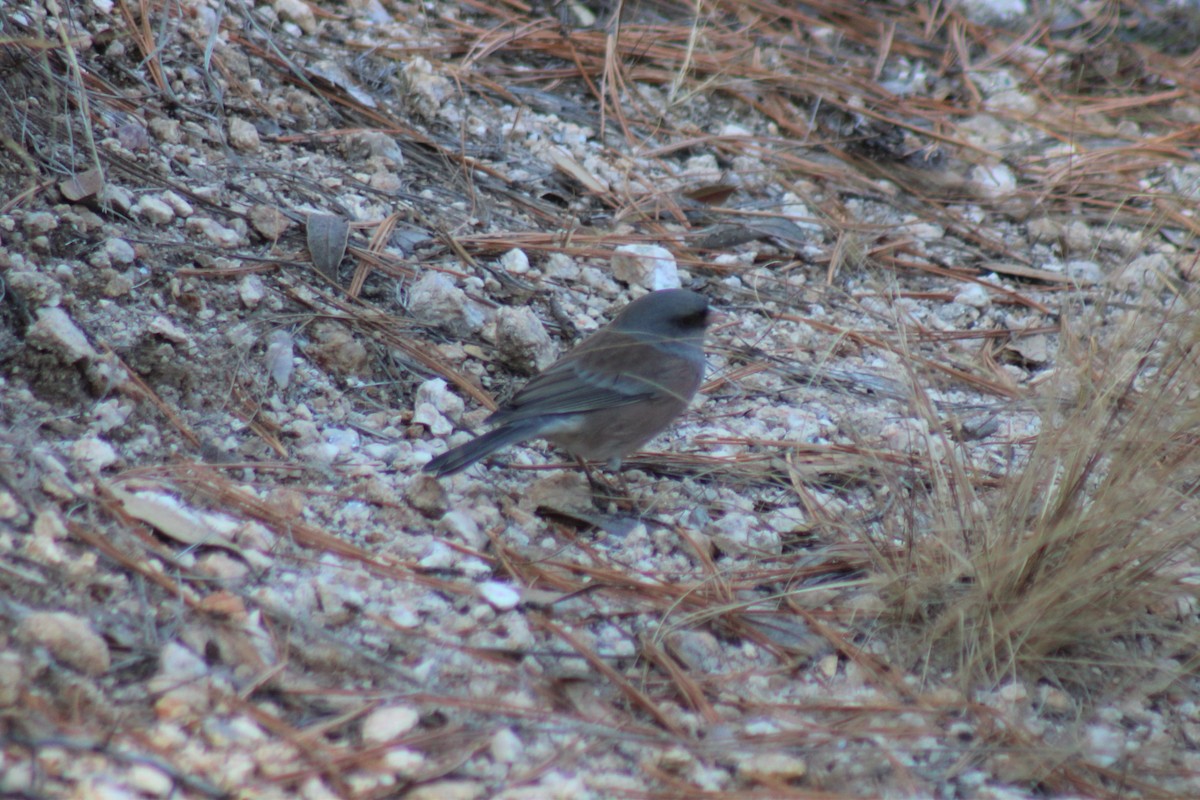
x,y
269,221
437,407
702,168
1044,229
515,262
178,663
506,746
37,288
431,417
315,789
994,181
743,534
117,197
100,788
1013,692
389,722
110,414
178,204
786,520
772,767
451,790
522,339
251,290
57,332
796,210
382,451
906,436
1149,270
1011,101
561,266
1035,348
9,507
48,524
280,358
430,87
372,10
119,251
435,299
167,130
153,209
166,328
214,231
647,265
242,335
150,780
243,135
436,392
1055,699
1084,271
320,454
699,650
238,729
69,638
298,12
972,294
38,222
1080,237
463,526
221,566
993,11
404,617
93,454
438,556
346,440
374,144
403,761
1105,744
305,430
501,596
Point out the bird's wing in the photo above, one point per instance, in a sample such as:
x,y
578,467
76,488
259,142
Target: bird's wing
x,y
603,372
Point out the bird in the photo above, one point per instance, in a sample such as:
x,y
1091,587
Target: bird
x,y
611,394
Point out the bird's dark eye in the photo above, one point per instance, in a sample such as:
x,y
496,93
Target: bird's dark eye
x,y
696,318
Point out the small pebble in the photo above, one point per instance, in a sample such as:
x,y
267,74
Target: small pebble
x,y
647,265
501,596
57,332
387,723
522,340
243,135
435,299
69,638
154,209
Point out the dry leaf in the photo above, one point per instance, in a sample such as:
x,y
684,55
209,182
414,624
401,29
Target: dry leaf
x,y
164,513
83,185
328,236
564,163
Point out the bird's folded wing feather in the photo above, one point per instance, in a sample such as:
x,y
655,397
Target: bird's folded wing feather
x,y
622,371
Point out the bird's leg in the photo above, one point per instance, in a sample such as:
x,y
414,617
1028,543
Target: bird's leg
x,y
604,492
597,483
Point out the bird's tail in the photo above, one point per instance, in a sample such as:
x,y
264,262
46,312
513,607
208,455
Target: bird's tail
x,y
465,455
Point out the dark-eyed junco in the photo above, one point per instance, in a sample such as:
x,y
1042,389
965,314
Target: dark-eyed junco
x,y
612,393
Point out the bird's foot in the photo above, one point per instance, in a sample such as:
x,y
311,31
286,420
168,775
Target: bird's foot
x,y
609,496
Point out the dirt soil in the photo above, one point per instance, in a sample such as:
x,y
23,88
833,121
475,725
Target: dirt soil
x,y
261,262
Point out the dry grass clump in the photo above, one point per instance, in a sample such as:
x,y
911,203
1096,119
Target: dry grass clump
x,y
1081,565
